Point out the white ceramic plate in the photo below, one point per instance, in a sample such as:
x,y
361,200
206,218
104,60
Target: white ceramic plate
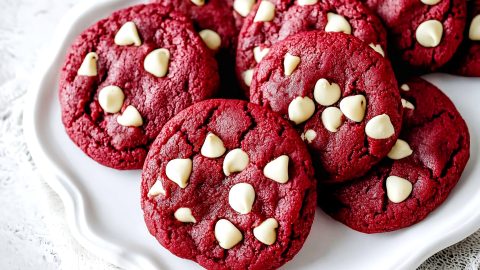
x,y
103,205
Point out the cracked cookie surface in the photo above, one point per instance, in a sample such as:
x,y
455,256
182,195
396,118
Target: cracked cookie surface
x,y
192,77
345,151
218,16
440,145
403,18
292,17
263,136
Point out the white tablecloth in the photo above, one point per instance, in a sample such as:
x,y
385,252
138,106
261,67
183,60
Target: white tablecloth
x,y
33,230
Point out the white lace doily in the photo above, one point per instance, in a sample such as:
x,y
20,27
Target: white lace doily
x,y
33,230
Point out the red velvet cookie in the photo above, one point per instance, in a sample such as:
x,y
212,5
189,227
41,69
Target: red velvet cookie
x,y
419,173
126,76
424,34
214,21
341,94
274,20
229,185
466,61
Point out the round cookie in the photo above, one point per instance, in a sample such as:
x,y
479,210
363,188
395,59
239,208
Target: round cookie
x,y
213,194
215,22
466,61
342,96
126,76
423,34
419,173
274,20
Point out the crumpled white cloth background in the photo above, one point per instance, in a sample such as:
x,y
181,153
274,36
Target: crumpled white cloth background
x,y
33,229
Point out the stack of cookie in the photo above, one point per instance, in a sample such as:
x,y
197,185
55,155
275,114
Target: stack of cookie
x,y
233,183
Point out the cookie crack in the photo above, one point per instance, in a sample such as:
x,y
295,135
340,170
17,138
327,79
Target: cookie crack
x,y
453,155
301,214
252,125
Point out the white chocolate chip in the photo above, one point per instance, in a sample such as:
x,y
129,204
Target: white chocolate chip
x,y
241,198
429,33
130,117
353,107
198,2
157,62
235,161
380,127
398,189
243,7
265,12
301,109
213,146
337,23
184,214
227,234
309,135
277,169
128,35
430,2
179,170
259,53
332,118
307,2
89,65
405,87
211,38
400,150
290,63
247,77
326,93
406,104
377,48
156,190
111,99
474,31
267,231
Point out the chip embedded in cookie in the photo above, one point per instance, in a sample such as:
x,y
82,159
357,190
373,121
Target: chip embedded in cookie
x,y
466,61
341,95
126,76
421,169
274,20
241,9
424,34
213,16
229,184
215,21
